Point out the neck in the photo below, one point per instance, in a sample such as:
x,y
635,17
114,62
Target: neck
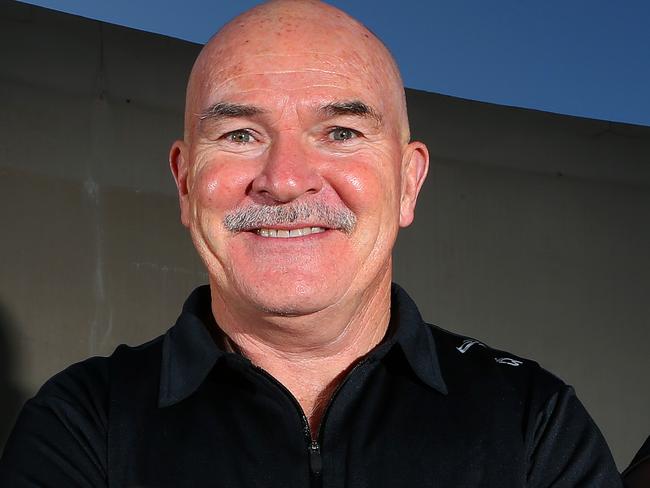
x,y
311,354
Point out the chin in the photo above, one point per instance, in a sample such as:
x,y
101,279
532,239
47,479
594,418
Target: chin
x,y
294,299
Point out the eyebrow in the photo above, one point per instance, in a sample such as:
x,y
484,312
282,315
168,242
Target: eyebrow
x,y
222,110
353,107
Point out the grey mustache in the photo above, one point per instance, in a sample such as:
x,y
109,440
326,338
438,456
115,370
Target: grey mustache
x,y
314,213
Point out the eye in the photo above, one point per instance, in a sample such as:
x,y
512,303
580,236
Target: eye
x,y
241,136
343,134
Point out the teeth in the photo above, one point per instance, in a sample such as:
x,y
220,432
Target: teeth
x,y
283,233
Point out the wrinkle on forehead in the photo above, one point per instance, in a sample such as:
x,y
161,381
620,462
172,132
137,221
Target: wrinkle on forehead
x,y
279,72
268,80
289,37
324,59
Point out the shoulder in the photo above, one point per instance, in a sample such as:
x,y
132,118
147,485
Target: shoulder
x,y
64,425
559,438
85,387
469,363
74,408
86,379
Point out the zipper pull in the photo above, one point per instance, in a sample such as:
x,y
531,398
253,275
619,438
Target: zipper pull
x,y
315,461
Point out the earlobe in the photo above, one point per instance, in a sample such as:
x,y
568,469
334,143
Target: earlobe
x,y
415,165
178,163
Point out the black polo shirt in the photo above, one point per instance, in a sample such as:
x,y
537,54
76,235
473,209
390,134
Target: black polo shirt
x,y
425,408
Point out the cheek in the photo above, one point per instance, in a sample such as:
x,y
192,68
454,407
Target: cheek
x,y
220,185
367,184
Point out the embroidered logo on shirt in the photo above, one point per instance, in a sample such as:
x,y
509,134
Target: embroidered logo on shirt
x,y
509,361
467,343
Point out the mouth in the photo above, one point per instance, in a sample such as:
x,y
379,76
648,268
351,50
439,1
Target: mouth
x,y
288,233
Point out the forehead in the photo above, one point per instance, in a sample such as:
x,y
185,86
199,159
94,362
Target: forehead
x,y
308,74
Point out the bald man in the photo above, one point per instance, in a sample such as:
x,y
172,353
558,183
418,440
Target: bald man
x,y
301,364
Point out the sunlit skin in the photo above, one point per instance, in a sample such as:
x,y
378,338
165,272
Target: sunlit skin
x,y
294,101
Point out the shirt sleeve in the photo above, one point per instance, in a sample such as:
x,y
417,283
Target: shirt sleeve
x,y
568,450
60,436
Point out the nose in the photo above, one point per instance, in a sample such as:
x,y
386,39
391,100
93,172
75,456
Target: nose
x,y
289,171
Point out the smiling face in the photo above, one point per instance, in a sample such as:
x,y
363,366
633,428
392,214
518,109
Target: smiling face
x,y
295,172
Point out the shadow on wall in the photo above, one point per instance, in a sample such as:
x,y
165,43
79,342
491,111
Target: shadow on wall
x,y
12,396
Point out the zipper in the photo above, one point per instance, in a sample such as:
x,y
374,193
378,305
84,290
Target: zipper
x,y
315,461
313,445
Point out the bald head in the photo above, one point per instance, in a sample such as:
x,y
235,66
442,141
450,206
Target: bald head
x,y
291,36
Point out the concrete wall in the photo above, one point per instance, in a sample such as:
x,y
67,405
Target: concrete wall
x,y
531,234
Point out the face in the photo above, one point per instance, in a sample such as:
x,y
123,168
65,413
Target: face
x,y
294,175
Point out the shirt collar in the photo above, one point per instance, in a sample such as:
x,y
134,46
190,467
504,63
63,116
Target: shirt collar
x,y
415,338
190,351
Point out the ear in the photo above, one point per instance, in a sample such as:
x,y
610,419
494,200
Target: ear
x,y
178,163
415,165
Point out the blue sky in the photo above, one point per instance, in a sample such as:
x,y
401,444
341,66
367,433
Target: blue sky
x,y
580,57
